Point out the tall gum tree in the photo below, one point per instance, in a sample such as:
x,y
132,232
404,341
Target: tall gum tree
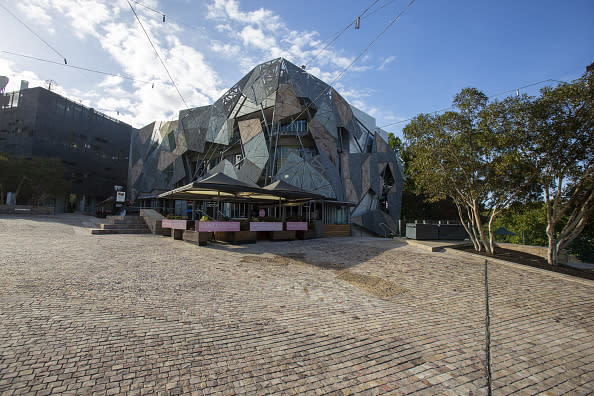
x,y
559,145
466,155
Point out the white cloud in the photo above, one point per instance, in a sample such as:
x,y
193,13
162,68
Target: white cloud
x,y
111,81
257,38
386,61
229,50
258,35
35,13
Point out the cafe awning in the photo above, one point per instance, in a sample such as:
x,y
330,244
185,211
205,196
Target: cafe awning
x,y
289,192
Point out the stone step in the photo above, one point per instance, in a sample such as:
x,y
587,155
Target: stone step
x,y
124,220
120,231
123,226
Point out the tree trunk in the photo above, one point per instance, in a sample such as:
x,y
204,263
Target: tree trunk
x,y
477,216
491,235
552,253
467,227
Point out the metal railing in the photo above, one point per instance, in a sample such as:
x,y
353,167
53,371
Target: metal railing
x,y
387,230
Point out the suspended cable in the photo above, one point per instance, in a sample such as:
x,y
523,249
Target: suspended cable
x,y
151,9
378,9
392,22
158,56
338,34
373,41
76,67
489,96
32,31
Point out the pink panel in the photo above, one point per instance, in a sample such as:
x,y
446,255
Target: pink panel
x,y
174,224
296,226
218,226
266,226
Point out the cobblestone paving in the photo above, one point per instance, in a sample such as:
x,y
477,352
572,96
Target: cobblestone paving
x,y
139,314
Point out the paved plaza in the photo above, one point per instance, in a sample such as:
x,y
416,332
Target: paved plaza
x,y
137,314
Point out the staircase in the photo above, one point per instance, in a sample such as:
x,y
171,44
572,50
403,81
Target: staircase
x,y
122,225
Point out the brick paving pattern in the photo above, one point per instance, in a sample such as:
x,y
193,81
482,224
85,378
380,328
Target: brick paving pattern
x,y
137,314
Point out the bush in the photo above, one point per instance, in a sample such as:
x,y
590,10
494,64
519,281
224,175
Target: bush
x,y
204,218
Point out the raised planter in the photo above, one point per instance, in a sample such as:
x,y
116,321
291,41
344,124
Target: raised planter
x,y
201,238
218,226
236,236
282,235
452,232
308,234
296,226
266,226
176,228
422,231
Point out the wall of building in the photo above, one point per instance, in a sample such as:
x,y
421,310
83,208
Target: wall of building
x,y
93,147
277,123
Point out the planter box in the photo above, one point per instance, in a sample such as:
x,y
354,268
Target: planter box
x,y
218,226
236,237
176,228
177,224
282,235
308,234
266,226
422,231
198,237
452,232
296,226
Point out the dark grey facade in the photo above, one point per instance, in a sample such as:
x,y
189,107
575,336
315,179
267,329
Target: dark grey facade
x,y
277,123
93,147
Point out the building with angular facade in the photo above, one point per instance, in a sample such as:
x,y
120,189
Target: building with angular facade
x,y
93,147
277,123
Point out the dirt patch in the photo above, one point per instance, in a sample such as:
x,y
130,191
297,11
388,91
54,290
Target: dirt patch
x,y
290,258
530,260
274,260
372,284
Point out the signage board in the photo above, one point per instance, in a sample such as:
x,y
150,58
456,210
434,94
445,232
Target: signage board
x,y
120,196
266,226
296,226
218,226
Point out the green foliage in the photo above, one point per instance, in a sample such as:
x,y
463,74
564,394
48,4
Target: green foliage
x,y
528,221
465,155
485,156
204,218
395,143
35,179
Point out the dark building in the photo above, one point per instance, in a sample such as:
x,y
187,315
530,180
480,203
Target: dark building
x,y
93,147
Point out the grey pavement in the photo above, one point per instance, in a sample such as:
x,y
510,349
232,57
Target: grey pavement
x,y
138,314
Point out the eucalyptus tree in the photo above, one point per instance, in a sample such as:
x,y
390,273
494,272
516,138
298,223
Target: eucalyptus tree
x,y
559,145
469,156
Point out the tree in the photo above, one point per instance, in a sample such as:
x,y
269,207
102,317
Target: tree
x,y
395,143
559,146
32,179
467,155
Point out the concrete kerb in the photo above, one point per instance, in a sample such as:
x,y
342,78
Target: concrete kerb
x,y
472,256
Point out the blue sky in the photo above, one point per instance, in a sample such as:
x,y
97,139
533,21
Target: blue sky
x,y
435,49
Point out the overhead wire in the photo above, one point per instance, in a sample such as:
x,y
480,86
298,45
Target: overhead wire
x,y
151,9
157,53
371,43
489,96
76,67
36,35
339,33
